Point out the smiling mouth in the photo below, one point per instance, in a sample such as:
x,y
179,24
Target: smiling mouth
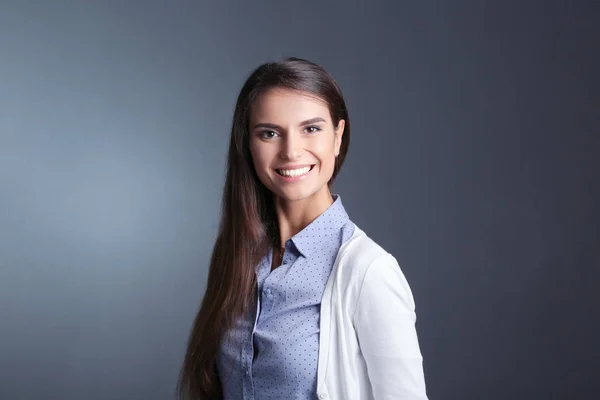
x,y
295,173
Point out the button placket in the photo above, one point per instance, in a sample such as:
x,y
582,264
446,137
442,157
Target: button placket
x,y
268,292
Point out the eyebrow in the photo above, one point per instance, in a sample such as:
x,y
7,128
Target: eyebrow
x,y
275,126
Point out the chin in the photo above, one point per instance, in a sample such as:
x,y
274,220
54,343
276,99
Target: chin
x,y
298,195
301,193
295,194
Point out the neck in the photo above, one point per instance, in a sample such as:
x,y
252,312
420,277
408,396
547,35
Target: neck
x,y
294,216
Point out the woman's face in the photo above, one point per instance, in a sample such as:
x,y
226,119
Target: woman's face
x,y
293,143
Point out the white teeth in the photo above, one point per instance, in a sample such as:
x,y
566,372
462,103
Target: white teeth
x,y
294,172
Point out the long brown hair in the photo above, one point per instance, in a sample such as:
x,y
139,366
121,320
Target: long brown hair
x,y
248,226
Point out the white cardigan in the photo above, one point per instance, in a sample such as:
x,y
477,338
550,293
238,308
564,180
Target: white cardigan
x,y
368,347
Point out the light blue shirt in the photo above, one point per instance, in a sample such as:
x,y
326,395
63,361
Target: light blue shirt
x,y
273,352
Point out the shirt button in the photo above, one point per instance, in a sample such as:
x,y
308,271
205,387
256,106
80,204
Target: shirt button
x,y
323,396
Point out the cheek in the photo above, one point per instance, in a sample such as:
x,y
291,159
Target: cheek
x,y
259,166
260,159
255,153
327,153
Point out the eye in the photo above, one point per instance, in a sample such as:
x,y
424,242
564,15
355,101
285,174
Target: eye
x,y
267,134
312,129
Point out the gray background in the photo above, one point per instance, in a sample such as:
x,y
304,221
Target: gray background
x,y
474,160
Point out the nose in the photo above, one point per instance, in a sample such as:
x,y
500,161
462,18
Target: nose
x,y
290,147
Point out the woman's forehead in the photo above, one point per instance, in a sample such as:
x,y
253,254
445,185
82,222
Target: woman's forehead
x,y
286,104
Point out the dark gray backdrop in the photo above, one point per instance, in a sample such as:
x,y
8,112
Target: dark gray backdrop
x,y
473,160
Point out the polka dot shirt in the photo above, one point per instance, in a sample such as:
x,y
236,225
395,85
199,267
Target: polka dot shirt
x,y
272,353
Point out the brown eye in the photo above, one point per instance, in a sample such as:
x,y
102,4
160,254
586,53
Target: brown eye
x,y
266,134
313,129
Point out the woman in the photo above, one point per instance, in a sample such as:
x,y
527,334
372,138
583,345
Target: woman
x,y
300,302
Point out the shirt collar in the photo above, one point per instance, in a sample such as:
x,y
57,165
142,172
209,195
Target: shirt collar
x,y
328,224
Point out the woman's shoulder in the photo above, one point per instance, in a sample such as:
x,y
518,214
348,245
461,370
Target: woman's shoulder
x,y
362,245
360,252
366,264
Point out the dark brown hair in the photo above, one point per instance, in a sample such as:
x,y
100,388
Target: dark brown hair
x,y
248,226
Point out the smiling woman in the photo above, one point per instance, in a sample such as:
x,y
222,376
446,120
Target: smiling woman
x,y
301,145
300,302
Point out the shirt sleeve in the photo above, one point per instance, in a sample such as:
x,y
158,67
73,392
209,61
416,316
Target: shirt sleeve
x,y
384,321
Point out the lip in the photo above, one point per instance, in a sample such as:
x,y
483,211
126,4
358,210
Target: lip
x,y
297,166
290,179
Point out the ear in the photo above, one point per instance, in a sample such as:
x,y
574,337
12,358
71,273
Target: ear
x,y
339,132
